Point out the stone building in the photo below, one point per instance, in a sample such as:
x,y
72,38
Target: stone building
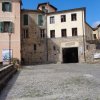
x,y
33,36
96,32
46,35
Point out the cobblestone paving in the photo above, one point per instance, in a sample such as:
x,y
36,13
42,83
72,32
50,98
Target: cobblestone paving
x,y
55,82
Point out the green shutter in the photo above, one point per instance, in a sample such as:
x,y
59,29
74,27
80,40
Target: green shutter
x,y
3,6
40,20
26,19
7,6
1,27
10,7
11,27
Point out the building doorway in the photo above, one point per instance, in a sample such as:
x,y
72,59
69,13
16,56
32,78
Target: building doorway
x,y
70,55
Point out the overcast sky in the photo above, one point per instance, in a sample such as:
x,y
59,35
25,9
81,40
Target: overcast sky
x,y
92,7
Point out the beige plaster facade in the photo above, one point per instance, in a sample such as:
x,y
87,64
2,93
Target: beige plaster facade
x,y
97,32
14,17
69,41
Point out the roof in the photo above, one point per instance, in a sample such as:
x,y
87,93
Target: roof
x,y
63,11
30,10
98,26
46,4
89,26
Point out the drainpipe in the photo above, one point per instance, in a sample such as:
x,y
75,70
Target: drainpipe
x,y
46,39
83,35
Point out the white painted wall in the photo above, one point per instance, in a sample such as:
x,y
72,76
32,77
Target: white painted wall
x,y
66,25
97,32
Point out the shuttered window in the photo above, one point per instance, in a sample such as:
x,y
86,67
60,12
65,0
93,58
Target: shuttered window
x,y
40,20
6,27
25,19
6,6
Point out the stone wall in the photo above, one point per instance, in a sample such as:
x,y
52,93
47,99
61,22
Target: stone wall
x,y
28,54
55,56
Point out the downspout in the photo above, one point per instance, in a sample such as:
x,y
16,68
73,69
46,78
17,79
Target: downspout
x,y
46,39
83,34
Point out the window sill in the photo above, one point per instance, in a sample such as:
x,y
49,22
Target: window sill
x,y
6,11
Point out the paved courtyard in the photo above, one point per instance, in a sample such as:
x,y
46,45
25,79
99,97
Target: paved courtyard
x,y
55,82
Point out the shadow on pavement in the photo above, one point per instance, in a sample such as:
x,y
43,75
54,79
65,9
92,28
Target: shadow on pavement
x,y
8,87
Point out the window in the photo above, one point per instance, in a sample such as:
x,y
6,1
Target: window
x,y
6,6
94,36
40,20
73,17
63,32
42,33
63,18
43,8
6,27
74,31
25,33
25,19
87,47
34,47
54,48
52,33
52,20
